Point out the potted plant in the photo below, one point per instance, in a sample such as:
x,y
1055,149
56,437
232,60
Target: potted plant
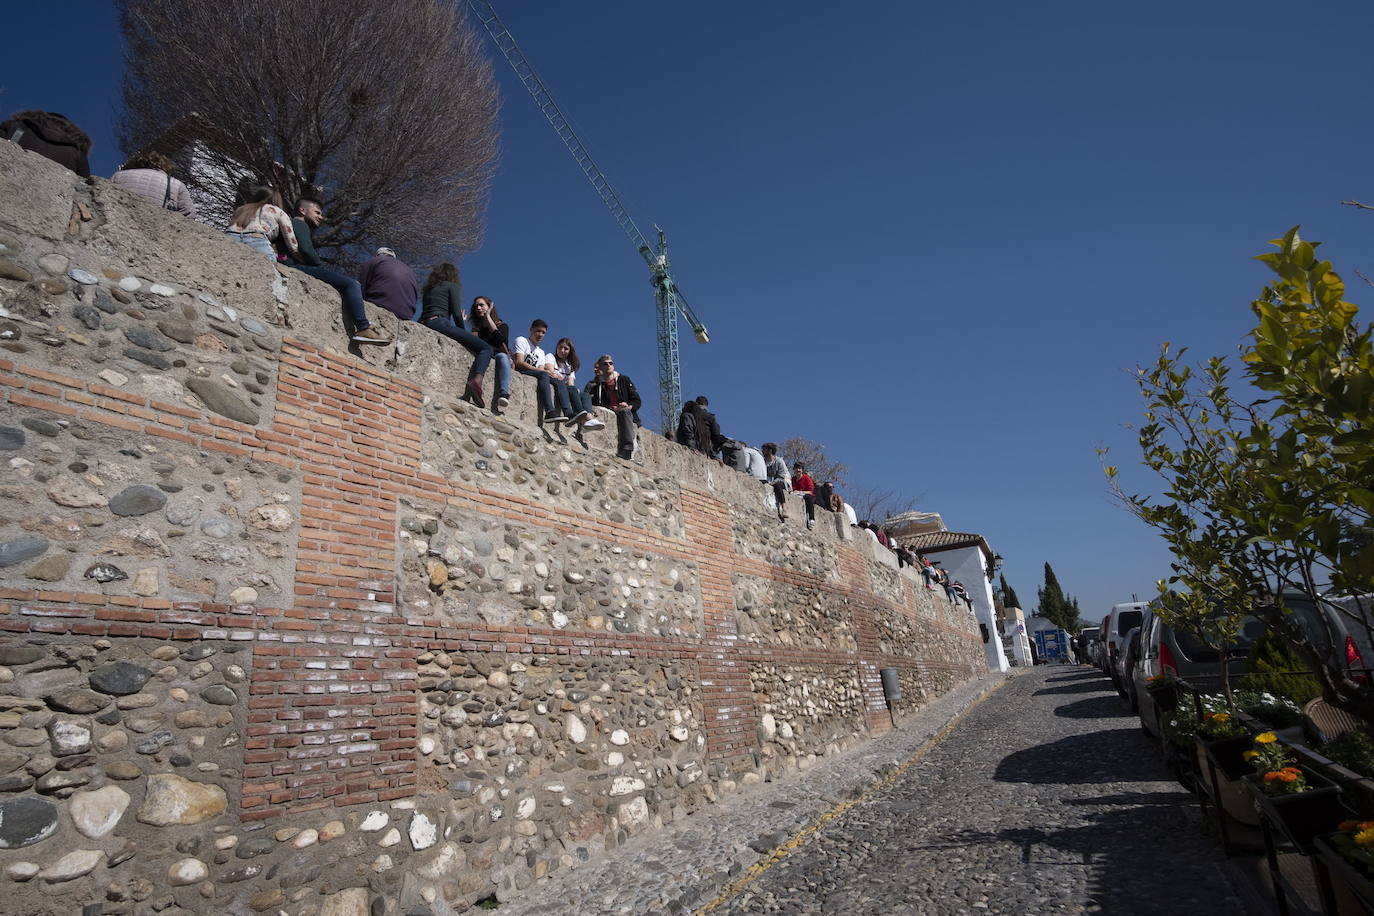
x,y
1221,744
1299,803
1345,871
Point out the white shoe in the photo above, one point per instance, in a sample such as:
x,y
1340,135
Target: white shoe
x,y
810,523
594,423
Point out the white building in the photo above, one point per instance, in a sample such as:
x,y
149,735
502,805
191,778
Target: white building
x,y
968,559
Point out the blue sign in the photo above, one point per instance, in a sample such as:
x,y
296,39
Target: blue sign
x,y
1052,644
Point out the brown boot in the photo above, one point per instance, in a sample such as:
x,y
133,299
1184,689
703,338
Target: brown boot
x,y
474,392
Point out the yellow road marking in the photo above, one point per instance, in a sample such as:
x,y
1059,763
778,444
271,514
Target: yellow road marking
x,y
786,849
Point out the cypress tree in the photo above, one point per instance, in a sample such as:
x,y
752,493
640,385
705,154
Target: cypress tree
x,y
1055,606
1009,598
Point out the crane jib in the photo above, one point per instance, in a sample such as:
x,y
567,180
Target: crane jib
x,y
668,297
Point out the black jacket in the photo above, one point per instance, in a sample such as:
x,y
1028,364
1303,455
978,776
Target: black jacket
x,y
50,135
625,392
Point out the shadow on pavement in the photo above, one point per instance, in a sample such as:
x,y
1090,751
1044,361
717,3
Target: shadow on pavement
x,y
1143,858
1077,686
1107,755
1077,674
1103,707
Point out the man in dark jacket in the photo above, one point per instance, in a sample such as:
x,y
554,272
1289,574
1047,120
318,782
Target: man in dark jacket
x,y
52,135
615,391
309,215
388,281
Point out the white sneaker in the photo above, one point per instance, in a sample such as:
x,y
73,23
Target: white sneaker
x,y
593,423
810,523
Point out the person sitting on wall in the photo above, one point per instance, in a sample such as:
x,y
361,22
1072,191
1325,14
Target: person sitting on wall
x,y
529,358
803,484
849,513
488,326
442,312
754,465
50,135
309,216
149,174
389,282
565,364
693,432
778,477
712,427
261,223
928,577
615,390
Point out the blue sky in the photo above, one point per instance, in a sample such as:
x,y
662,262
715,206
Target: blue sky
x,y
934,239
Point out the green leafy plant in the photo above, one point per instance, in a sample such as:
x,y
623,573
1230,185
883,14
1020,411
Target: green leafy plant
x,y
1218,725
1274,667
1271,494
1354,751
1275,711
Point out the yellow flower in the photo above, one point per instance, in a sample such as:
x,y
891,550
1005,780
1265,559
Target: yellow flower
x,y
1365,838
1266,738
1219,716
1249,755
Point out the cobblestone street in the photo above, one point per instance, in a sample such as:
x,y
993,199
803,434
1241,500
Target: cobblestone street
x,y
1046,798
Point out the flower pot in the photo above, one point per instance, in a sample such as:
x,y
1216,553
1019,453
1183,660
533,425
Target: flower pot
x,y
1229,791
1164,696
1301,816
1351,890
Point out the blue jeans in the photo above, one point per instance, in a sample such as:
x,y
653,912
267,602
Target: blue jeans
x,y
550,387
579,400
254,240
480,349
502,374
349,289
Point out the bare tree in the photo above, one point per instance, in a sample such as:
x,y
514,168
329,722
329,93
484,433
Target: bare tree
x,y
819,465
878,504
385,110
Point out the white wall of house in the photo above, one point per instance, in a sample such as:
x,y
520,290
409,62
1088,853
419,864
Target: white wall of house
x,y
968,565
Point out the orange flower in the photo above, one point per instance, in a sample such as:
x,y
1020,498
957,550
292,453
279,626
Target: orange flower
x,y
1271,776
1345,826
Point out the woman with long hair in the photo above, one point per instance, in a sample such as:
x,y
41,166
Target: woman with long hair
x,y
567,364
443,313
260,220
487,324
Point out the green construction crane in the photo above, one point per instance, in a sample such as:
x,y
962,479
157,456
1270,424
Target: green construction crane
x,y
667,297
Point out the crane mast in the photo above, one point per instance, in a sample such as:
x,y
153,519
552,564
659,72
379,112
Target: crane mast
x,y
668,299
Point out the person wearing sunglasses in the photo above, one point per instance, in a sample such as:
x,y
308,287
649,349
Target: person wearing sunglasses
x,y
615,391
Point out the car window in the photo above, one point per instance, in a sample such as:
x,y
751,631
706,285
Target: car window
x,y
1127,620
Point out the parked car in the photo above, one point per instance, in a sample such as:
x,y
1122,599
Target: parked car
x,y
1089,644
1115,626
1126,662
1164,649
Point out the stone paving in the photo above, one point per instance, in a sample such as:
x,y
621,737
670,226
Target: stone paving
x,y
1046,797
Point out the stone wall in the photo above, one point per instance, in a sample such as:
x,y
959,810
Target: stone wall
x,y
286,627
